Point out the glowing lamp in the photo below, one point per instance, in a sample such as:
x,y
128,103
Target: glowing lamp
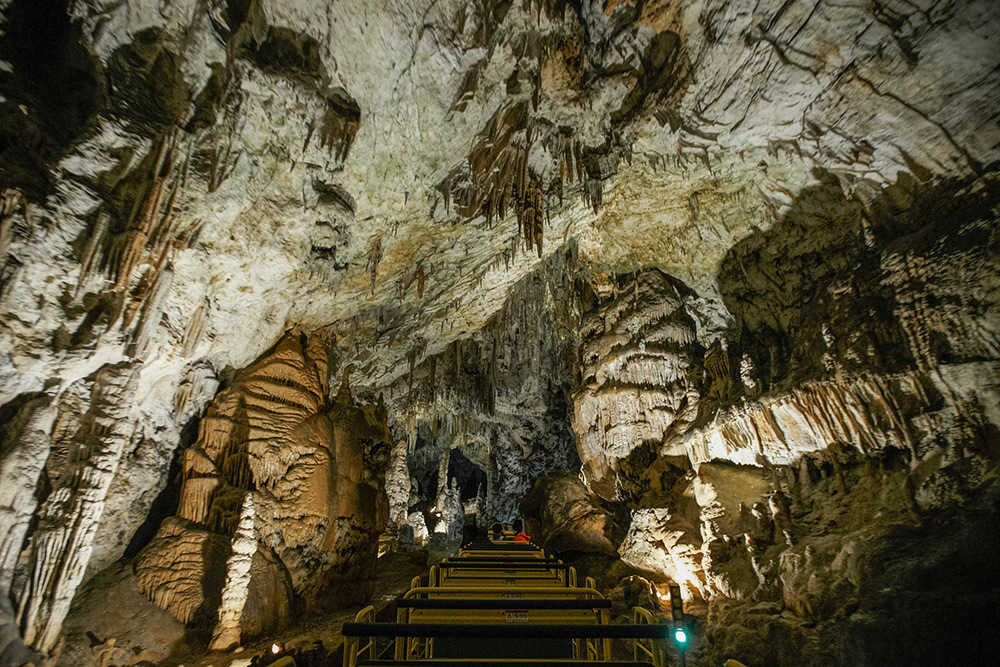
x,y
680,636
275,648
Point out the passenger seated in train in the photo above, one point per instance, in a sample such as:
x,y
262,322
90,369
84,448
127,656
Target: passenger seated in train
x,y
521,537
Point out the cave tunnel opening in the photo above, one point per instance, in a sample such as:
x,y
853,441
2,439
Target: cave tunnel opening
x,y
471,477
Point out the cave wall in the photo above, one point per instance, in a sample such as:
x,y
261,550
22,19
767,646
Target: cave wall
x,y
115,335
847,407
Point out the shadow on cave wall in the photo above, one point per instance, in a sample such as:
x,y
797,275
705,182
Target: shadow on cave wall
x,y
814,291
50,94
934,593
166,502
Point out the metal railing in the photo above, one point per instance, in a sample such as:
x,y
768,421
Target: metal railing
x,y
657,651
502,631
454,607
352,650
413,648
429,631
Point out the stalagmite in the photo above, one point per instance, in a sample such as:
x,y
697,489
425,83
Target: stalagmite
x,y
234,593
21,468
452,511
398,484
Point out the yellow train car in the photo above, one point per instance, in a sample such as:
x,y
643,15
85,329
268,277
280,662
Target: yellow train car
x,y
500,603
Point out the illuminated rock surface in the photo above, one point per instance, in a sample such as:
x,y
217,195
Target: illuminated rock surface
x,y
712,286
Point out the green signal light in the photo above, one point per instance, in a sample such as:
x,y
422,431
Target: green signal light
x,y
680,636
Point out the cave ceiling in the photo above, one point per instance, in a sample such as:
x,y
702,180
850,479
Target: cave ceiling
x,y
389,170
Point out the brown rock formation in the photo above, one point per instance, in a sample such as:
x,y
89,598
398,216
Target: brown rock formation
x,y
314,470
562,515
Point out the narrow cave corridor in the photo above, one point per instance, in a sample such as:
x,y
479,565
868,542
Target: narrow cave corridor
x,y
298,297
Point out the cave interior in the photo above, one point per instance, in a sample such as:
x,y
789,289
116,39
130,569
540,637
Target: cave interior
x,y
295,296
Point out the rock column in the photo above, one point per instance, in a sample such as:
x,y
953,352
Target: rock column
x,y
237,588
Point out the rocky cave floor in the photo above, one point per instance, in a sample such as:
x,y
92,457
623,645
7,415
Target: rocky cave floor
x,y
313,639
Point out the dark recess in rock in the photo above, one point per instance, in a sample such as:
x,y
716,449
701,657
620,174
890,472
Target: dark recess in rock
x,y
166,501
145,83
50,94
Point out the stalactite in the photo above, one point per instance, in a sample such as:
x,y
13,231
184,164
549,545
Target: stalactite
x,y
196,498
530,215
194,331
493,178
636,353
340,124
94,241
125,255
62,544
152,311
810,419
21,467
374,258
10,201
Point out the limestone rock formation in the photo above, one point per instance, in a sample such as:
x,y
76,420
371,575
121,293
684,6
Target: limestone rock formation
x,y
562,516
237,587
709,252
635,356
860,387
501,398
293,480
89,439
